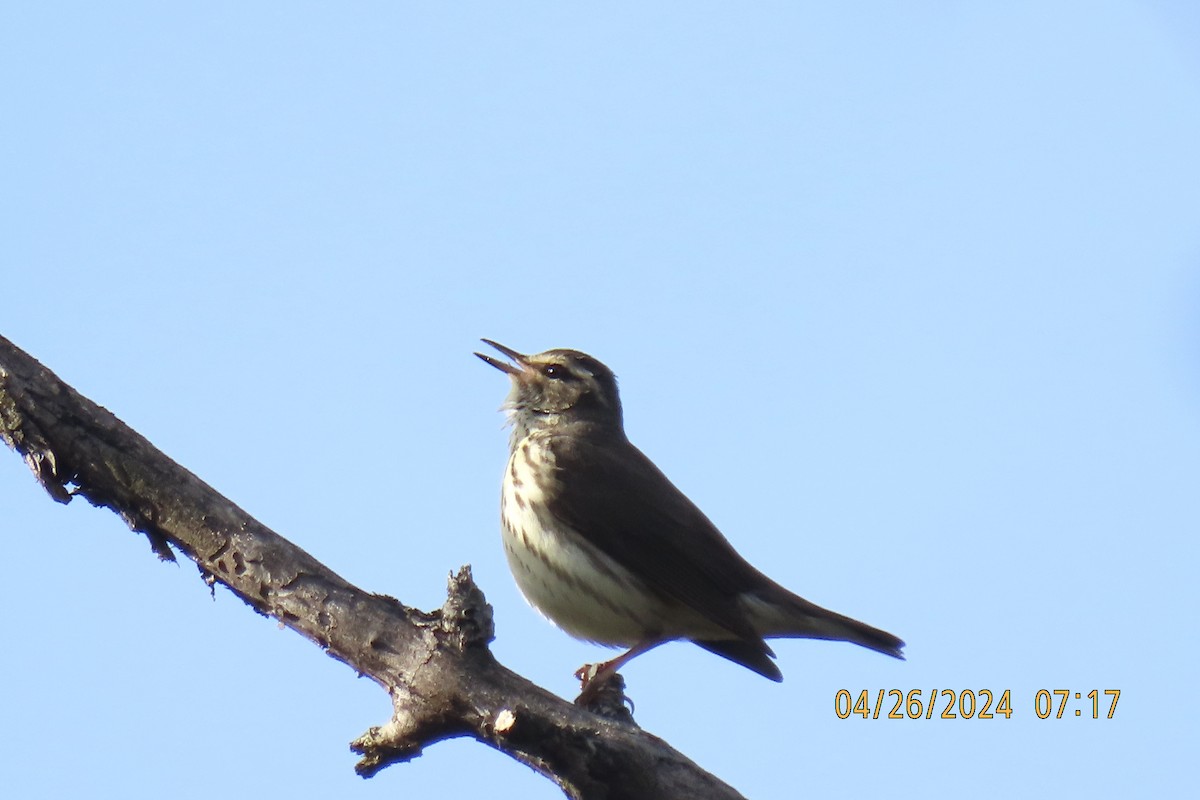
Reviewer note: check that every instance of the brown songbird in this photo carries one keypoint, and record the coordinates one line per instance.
(605, 546)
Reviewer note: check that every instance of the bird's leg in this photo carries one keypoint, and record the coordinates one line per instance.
(592, 677)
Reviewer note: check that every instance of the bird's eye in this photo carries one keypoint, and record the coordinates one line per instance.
(553, 371)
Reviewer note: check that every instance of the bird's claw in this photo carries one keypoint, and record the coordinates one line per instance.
(602, 691)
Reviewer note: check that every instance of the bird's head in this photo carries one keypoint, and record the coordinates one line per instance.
(557, 387)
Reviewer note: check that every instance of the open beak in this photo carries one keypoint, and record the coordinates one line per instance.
(520, 359)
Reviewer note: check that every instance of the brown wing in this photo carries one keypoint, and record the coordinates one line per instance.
(614, 497)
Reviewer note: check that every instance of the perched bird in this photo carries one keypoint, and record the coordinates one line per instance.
(605, 546)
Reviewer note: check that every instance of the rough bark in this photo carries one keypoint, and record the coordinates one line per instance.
(435, 666)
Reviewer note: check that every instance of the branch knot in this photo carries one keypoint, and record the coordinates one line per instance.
(466, 618)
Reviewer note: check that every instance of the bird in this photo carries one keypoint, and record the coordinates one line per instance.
(601, 542)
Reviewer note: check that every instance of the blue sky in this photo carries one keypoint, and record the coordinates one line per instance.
(904, 295)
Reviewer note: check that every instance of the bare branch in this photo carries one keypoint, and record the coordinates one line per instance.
(436, 666)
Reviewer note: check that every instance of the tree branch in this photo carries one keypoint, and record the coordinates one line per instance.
(435, 666)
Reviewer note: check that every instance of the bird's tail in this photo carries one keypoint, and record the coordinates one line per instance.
(781, 614)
